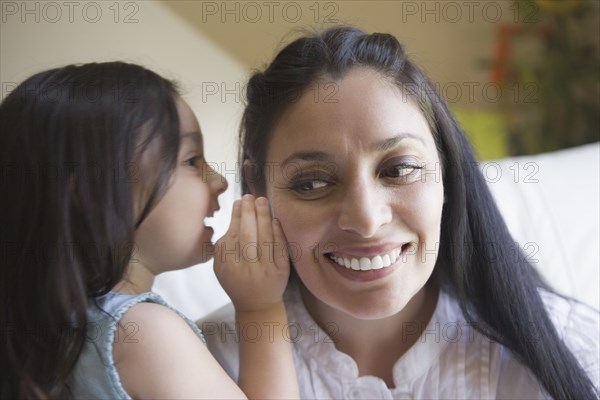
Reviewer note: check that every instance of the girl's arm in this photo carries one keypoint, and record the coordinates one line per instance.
(252, 264)
(157, 355)
(161, 357)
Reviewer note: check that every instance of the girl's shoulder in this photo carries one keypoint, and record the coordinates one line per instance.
(154, 320)
(146, 306)
(166, 359)
(118, 317)
(120, 327)
(154, 336)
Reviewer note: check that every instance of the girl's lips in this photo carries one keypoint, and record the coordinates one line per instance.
(207, 233)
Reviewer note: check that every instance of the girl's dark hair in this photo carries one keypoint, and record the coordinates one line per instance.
(75, 184)
(478, 263)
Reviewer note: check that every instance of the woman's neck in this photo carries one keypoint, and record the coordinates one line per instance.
(375, 345)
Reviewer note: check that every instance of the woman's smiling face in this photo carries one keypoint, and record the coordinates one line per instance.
(356, 184)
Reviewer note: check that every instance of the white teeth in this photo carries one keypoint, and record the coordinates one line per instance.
(386, 260)
(377, 262)
(367, 264)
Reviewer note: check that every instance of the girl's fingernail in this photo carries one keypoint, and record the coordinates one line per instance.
(261, 201)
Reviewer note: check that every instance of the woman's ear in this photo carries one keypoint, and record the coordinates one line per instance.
(250, 176)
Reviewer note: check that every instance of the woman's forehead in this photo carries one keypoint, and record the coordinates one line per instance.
(363, 110)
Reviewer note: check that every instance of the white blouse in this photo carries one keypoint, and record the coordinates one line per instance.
(451, 360)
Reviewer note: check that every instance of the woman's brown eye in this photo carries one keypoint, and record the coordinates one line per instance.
(401, 170)
(307, 186)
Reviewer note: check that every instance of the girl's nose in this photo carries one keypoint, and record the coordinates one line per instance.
(217, 183)
(364, 208)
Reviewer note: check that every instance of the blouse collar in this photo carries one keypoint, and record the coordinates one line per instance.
(445, 326)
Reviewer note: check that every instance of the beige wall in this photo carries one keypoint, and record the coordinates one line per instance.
(156, 38)
(449, 39)
(148, 34)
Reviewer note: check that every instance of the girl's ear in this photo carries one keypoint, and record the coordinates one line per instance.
(250, 177)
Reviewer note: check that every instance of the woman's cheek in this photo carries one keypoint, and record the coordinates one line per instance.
(283, 211)
(427, 216)
(300, 226)
(433, 203)
(296, 232)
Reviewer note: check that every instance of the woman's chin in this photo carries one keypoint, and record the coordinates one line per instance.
(373, 310)
(378, 304)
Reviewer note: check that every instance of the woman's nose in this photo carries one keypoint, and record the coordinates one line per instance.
(365, 208)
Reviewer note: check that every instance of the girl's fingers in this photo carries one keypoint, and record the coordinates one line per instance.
(248, 234)
(234, 225)
(280, 246)
(265, 230)
(230, 239)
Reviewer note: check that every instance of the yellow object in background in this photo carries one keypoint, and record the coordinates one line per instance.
(558, 6)
(486, 130)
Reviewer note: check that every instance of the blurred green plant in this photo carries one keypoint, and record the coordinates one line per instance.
(548, 65)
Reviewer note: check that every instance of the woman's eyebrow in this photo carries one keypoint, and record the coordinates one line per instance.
(383, 145)
(389, 143)
(307, 156)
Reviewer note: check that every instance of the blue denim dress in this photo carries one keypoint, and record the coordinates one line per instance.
(95, 375)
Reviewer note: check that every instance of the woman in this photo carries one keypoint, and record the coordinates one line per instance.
(408, 283)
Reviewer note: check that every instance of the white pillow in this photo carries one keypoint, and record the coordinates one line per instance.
(551, 205)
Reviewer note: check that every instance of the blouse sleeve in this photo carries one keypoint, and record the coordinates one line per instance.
(222, 339)
(579, 327)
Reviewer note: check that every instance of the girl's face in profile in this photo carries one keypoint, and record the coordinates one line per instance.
(174, 234)
(356, 182)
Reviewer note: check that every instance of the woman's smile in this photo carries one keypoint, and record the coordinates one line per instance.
(368, 264)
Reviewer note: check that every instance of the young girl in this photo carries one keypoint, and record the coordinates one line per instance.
(104, 186)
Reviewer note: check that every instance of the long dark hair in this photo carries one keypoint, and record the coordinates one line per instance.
(74, 143)
(479, 263)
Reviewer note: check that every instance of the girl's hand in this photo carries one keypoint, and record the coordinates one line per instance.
(251, 261)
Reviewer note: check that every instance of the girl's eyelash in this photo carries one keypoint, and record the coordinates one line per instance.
(192, 162)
